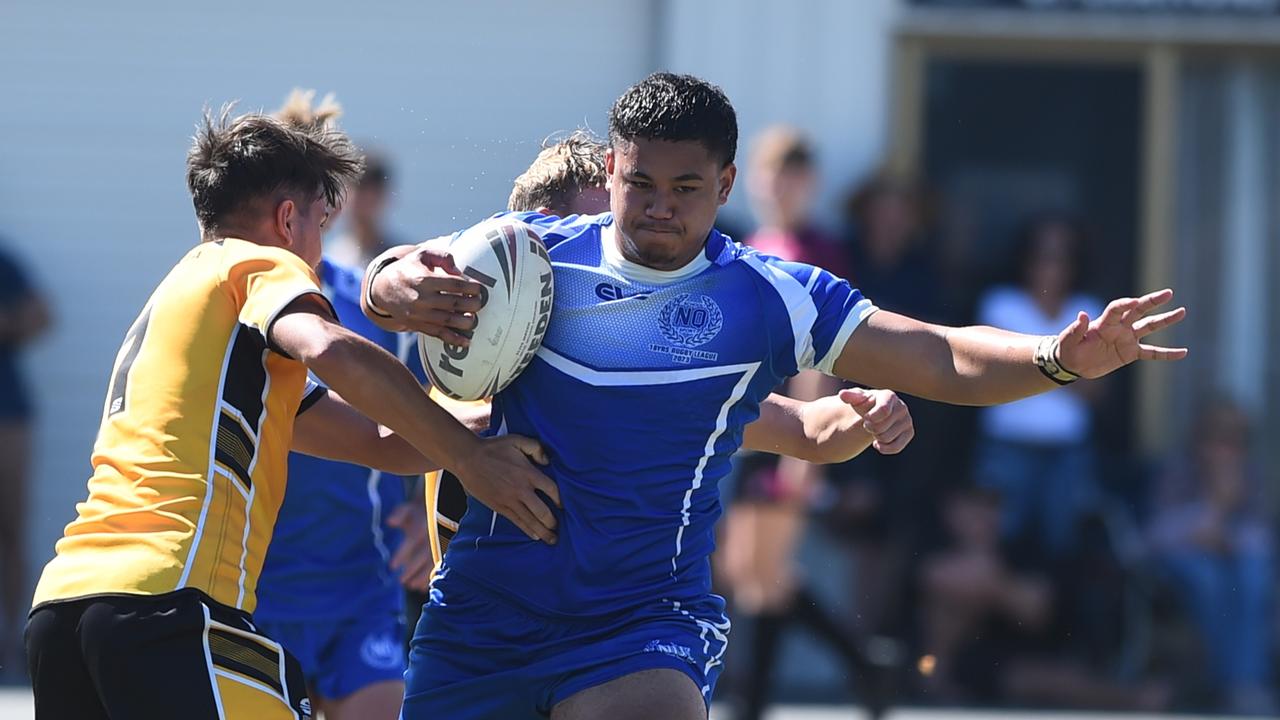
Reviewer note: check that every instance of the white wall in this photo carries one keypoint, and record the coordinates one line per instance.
(821, 65)
(98, 101)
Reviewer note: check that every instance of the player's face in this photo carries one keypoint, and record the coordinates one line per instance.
(664, 199)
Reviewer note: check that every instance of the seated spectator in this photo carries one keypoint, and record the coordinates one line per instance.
(998, 632)
(972, 599)
(1209, 535)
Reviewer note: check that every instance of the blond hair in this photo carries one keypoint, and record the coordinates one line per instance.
(562, 170)
(297, 110)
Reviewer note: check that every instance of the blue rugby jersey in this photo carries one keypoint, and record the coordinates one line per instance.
(328, 557)
(640, 392)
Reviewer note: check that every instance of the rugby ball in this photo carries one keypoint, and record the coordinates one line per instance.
(508, 258)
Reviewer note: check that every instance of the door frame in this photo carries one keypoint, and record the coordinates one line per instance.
(1158, 61)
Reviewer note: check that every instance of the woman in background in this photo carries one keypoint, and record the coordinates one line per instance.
(1039, 453)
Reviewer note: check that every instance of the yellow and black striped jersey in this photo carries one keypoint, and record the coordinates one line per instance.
(446, 500)
(190, 461)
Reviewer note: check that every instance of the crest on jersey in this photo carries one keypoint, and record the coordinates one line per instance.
(687, 321)
(690, 320)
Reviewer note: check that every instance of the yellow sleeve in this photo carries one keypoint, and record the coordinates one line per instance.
(264, 280)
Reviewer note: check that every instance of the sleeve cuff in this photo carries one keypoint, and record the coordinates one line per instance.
(314, 393)
(275, 315)
(863, 310)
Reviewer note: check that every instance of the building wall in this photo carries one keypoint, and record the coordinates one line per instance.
(100, 100)
(821, 65)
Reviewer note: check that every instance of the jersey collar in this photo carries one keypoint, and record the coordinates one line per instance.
(638, 273)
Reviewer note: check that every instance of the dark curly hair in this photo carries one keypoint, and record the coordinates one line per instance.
(666, 106)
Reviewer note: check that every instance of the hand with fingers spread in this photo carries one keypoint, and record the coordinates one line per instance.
(1094, 348)
(500, 475)
(423, 291)
(884, 416)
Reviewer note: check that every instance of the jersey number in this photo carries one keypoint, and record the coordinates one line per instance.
(128, 353)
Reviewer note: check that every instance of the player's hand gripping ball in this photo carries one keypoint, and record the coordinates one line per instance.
(508, 258)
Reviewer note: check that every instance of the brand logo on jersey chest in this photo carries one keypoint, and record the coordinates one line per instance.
(609, 291)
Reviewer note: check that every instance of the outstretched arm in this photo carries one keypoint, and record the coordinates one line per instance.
(980, 365)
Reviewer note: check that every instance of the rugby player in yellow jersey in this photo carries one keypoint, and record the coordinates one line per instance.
(568, 178)
(145, 611)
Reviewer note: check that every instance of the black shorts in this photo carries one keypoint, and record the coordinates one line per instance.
(177, 655)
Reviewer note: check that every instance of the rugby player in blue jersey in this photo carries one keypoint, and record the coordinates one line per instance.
(665, 337)
(328, 590)
(568, 178)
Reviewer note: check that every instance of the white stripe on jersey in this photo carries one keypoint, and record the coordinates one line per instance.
(798, 302)
(632, 378)
(213, 446)
(860, 312)
(722, 422)
(813, 280)
(626, 378)
(253, 490)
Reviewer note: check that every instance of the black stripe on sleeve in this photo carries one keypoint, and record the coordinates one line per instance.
(314, 395)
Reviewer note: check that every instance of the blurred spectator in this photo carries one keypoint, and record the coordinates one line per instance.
(885, 506)
(782, 185)
(970, 599)
(1209, 534)
(365, 236)
(1039, 452)
(999, 632)
(365, 211)
(891, 265)
(766, 523)
(24, 315)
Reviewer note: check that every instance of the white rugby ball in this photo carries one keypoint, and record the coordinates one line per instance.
(508, 258)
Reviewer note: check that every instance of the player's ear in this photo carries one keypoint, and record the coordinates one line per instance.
(608, 162)
(727, 176)
(285, 220)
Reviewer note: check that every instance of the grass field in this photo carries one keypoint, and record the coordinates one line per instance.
(15, 704)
